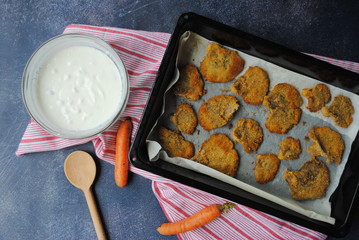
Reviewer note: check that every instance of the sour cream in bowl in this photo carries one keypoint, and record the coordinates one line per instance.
(75, 86)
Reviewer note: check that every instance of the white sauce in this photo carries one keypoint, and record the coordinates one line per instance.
(79, 88)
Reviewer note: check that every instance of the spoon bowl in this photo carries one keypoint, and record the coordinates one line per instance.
(80, 170)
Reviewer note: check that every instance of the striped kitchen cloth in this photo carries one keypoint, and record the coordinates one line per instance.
(142, 53)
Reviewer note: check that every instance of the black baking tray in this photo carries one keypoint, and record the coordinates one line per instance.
(344, 199)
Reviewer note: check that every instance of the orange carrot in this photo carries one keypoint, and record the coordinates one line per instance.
(199, 219)
(123, 139)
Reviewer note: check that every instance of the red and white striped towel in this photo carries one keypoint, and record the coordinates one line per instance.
(142, 53)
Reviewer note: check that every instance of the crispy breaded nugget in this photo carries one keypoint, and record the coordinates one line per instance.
(283, 95)
(253, 86)
(217, 111)
(185, 118)
(248, 133)
(190, 84)
(289, 149)
(310, 181)
(341, 110)
(175, 144)
(326, 143)
(266, 168)
(218, 153)
(281, 120)
(317, 97)
(220, 64)
(283, 103)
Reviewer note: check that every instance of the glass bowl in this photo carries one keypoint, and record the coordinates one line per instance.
(44, 109)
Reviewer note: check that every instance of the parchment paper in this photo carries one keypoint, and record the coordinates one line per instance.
(192, 49)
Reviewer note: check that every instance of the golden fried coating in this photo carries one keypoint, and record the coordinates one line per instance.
(283, 95)
(220, 64)
(185, 118)
(253, 86)
(248, 133)
(284, 103)
(289, 149)
(281, 120)
(217, 111)
(326, 143)
(310, 181)
(266, 168)
(218, 153)
(175, 144)
(317, 97)
(190, 84)
(341, 110)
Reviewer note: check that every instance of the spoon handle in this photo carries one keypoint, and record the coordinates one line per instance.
(95, 214)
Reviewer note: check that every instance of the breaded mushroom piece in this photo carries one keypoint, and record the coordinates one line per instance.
(341, 110)
(218, 152)
(318, 97)
(281, 120)
(266, 167)
(217, 111)
(249, 134)
(190, 84)
(310, 181)
(185, 118)
(289, 149)
(220, 64)
(253, 86)
(175, 144)
(283, 103)
(326, 143)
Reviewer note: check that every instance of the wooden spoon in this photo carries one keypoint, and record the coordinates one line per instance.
(80, 170)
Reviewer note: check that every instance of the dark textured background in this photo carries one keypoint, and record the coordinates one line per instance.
(36, 201)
